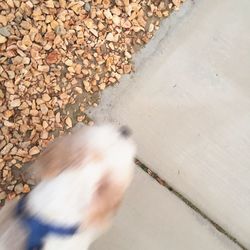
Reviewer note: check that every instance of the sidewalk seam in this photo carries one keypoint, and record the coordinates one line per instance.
(164, 183)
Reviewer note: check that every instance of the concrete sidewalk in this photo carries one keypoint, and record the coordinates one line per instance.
(188, 104)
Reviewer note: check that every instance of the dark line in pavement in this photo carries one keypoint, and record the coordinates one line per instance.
(162, 182)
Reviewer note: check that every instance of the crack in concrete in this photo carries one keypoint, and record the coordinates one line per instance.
(164, 183)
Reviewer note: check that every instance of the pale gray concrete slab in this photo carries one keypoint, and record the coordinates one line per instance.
(153, 218)
(189, 107)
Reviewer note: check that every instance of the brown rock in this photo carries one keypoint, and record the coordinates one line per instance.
(53, 57)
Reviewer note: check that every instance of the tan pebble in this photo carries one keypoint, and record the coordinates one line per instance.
(127, 54)
(127, 68)
(5, 173)
(68, 121)
(126, 2)
(28, 3)
(141, 21)
(9, 84)
(10, 3)
(26, 60)
(1, 94)
(71, 69)
(102, 86)
(94, 32)
(87, 86)
(11, 74)
(106, 3)
(9, 124)
(151, 27)
(8, 113)
(26, 25)
(18, 188)
(15, 103)
(50, 4)
(2, 164)
(80, 118)
(7, 149)
(11, 196)
(39, 101)
(13, 151)
(78, 69)
(112, 80)
(34, 54)
(45, 124)
(76, 8)
(78, 90)
(68, 62)
(176, 2)
(137, 28)
(3, 195)
(11, 187)
(58, 117)
(33, 112)
(116, 20)
(2, 39)
(17, 60)
(34, 151)
(110, 37)
(63, 3)
(116, 11)
(127, 24)
(108, 14)
(49, 36)
(58, 40)
(54, 24)
(44, 109)
(18, 165)
(2, 144)
(48, 46)
(89, 23)
(46, 97)
(100, 26)
(43, 68)
(44, 135)
(3, 20)
(26, 41)
(26, 188)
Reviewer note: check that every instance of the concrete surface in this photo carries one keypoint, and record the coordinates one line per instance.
(153, 218)
(189, 107)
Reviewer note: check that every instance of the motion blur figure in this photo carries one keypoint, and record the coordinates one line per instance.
(83, 179)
